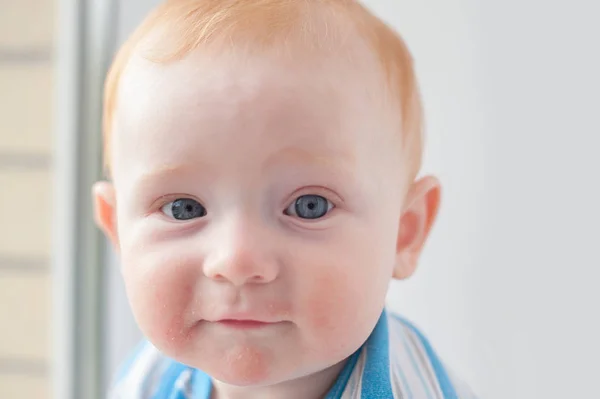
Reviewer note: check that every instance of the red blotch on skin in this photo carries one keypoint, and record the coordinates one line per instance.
(246, 365)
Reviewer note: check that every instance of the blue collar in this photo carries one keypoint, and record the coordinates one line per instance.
(376, 373)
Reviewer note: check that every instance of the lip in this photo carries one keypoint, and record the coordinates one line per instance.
(244, 324)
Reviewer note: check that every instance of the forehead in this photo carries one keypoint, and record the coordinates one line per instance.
(227, 85)
(325, 103)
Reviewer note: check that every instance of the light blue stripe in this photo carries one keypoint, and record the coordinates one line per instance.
(440, 372)
(340, 384)
(168, 380)
(405, 384)
(201, 385)
(179, 395)
(426, 386)
(376, 376)
(125, 367)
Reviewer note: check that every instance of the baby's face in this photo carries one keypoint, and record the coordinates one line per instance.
(258, 206)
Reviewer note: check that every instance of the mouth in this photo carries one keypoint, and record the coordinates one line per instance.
(244, 324)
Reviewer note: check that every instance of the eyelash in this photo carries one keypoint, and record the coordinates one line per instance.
(329, 195)
(315, 190)
(158, 204)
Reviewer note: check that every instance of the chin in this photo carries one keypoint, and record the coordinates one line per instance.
(244, 378)
(243, 367)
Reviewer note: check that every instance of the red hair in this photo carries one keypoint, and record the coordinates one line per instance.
(185, 25)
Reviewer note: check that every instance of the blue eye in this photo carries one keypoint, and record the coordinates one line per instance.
(309, 207)
(184, 209)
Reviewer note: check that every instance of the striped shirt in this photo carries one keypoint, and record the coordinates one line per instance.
(396, 362)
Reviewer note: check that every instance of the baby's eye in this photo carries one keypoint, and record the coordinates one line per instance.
(184, 209)
(309, 207)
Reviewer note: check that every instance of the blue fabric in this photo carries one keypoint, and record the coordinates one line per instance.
(340, 384)
(440, 371)
(376, 376)
(202, 385)
(167, 386)
(413, 361)
(126, 366)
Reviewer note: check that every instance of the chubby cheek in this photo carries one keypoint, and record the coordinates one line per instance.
(161, 290)
(345, 297)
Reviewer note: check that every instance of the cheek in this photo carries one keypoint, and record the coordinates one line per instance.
(339, 302)
(345, 296)
(161, 290)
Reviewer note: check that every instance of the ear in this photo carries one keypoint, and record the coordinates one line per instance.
(103, 194)
(418, 216)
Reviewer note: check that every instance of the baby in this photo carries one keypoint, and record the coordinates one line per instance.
(263, 157)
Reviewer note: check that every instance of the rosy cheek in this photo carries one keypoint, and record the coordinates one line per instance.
(344, 301)
(329, 309)
(323, 301)
(160, 293)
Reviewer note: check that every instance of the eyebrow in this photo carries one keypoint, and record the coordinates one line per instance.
(164, 171)
(334, 159)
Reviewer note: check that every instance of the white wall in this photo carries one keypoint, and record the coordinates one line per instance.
(507, 285)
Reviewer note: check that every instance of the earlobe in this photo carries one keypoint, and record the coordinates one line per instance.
(420, 210)
(103, 194)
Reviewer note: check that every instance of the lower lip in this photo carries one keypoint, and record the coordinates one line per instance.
(243, 324)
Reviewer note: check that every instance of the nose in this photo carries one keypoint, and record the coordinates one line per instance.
(241, 255)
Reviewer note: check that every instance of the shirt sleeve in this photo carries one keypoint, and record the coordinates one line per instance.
(463, 391)
(139, 375)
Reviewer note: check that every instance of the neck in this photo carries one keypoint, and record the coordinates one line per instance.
(313, 386)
